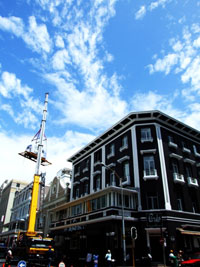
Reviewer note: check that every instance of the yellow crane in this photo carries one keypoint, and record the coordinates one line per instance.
(30, 245)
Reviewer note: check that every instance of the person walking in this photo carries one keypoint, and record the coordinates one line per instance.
(173, 259)
(95, 259)
(108, 258)
(9, 257)
(180, 257)
(50, 256)
(89, 259)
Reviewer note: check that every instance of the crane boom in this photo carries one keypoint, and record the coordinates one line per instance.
(36, 181)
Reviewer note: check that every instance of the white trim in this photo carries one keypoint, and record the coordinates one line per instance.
(192, 182)
(84, 179)
(187, 160)
(148, 151)
(187, 150)
(176, 156)
(172, 144)
(103, 180)
(178, 178)
(163, 168)
(96, 172)
(135, 164)
(123, 148)
(123, 159)
(111, 165)
(91, 173)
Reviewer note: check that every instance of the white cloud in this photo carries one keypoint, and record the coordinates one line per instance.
(153, 5)
(158, 3)
(184, 60)
(58, 150)
(165, 64)
(59, 41)
(60, 58)
(12, 24)
(140, 13)
(10, 85)
(36, 36)
(12, 88)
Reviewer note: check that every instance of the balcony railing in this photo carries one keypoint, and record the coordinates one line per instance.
(172, 144)
(178, 178)
(150, 174)
(192, 181)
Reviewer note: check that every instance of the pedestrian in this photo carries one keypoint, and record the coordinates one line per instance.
(50, 256)
(9, 257)
(108, 258)
(89, 259)
(173, 259)
(180, 257)
(95, 259)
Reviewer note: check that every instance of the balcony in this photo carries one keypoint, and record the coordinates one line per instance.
(150, 174)
(178, 178)
(192, 181)
(186, 150)
(172, 144)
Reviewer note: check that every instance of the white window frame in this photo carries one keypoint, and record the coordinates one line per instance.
(149, 167)
(126, 173)
(146, 135)
(111, 151)
(124, 143)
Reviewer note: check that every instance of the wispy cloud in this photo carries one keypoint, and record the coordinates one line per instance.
(34, 35)
(140, 13)
(184, 58)
(153, 5)
(11, 87)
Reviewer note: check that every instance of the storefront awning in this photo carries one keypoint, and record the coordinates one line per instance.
(188, 232)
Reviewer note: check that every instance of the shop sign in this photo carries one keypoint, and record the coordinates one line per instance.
(154, 219)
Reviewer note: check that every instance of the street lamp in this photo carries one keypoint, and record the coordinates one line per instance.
(123, 222)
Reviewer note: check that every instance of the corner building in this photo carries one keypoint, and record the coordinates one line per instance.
(158, 159)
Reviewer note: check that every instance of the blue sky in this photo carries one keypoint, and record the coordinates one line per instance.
(99, 60)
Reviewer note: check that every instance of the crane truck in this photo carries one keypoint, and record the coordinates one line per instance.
(30, 245)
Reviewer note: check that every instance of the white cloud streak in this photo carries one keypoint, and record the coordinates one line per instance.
(34, 35)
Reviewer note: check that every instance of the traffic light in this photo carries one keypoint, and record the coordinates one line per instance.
(134, 232)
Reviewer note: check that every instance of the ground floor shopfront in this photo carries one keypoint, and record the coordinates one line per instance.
(157, 233)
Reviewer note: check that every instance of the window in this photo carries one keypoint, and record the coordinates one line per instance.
(175, 168)
(86, 188)
(197, 154)
(112, 178)
(77, 171)
(87, 163)
(194, 207)
(97, 156)
(179, 204)
(152, 201)
(188, 171)
(171, 142)
(178, 178)
(124, 143)
(149, 166)
(98, 203)
(97, 182)
(111, 151)
(126, 173)
(76, 210)
(185, 148)
(77, 192)
(146, 135)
